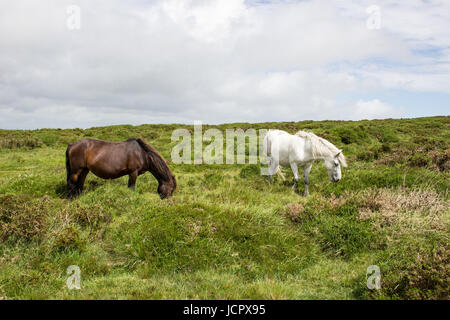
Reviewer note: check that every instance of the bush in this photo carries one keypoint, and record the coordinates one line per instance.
(349, 135)
(419, 160)
(93, 216)
(14, 141)
(441, 160)
(365, 155)
(22, 218)
(413, 272)
(49, 138)
(412, 225)
(294, 212)
(69, 238)
(399, 155)
(388, 136)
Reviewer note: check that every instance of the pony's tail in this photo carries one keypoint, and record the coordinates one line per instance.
(68, 169)
(280, 174)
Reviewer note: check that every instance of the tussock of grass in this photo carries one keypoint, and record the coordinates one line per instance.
(21, 218)
(414, 225)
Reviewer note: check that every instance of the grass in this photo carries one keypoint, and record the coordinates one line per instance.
(227, 233)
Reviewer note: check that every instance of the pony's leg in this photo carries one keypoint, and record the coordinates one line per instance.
(273, 165)
(307, 169)
(72, 184)
(294, 168)
(132, 180)
(81, 179)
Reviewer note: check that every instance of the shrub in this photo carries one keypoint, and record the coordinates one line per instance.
(93, 216)
(396, 201)
(419, 160)
(388, 136)
(398, 155)
(441, 160)
(69, 238)
(412, 224)
(293, 212)
(49, 138)
(350, 135)
(374, 153)
(365, 156)
(14, 141)
(429, 277)
(412, 272)
(22, 218)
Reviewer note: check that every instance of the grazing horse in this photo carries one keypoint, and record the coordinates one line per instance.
(111, 160)
(301, 149)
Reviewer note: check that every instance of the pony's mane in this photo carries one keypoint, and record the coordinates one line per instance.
(157, 162)
(322, 147)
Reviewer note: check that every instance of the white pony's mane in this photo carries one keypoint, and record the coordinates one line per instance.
(322, 147)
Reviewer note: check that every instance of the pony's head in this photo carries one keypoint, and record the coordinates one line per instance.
(166, 188)
(333, 166)
(159, 168)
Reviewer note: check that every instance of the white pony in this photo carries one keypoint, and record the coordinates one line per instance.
(301, 149)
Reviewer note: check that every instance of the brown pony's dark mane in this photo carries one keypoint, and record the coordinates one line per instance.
(157, 162)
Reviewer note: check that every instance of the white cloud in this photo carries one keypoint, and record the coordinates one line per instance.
(216, 61)
(374, 109)
(206, 21)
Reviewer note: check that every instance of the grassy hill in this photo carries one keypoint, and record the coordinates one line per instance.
(227, 233)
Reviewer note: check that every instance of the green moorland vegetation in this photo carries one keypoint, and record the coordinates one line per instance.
(226, 233)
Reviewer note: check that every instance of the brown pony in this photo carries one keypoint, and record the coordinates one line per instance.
(111, 160)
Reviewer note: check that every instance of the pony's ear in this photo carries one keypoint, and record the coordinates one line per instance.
(339, 156)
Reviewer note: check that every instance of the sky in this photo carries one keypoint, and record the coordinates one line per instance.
(67, 64)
